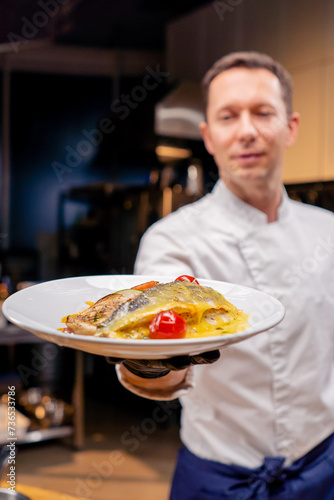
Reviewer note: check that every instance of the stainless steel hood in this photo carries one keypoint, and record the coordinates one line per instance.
(180, 113)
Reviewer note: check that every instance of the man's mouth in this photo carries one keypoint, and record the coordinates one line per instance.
(248, 157)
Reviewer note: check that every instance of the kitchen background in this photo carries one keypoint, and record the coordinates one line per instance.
(99, 138)
(91, 90)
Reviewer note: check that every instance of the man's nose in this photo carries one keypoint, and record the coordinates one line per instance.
(247, 129)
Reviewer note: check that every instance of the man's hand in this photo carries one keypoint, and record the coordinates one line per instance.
(156, 368)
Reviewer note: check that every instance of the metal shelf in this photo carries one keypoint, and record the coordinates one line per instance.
(12, 335)
(37, 436)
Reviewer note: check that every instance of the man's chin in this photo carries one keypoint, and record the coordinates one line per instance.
(246, 174)
(254, 173)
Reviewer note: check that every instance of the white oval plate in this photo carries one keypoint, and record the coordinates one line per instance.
(40, 309)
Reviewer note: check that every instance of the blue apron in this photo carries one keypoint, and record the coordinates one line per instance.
(308, 478)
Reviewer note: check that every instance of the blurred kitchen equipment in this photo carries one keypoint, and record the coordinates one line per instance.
(45, 409)
(180, 112)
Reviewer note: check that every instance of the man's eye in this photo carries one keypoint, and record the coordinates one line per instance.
(225, 118)
(265, 113)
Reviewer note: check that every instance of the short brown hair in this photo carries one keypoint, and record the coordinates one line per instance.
(251, 60)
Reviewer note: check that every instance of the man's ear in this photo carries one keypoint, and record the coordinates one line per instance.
(293, 125)
(203, 126)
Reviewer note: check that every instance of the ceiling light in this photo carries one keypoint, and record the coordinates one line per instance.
(167, 153)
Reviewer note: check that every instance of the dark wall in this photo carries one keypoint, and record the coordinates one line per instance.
(48, 114)
(54, 147)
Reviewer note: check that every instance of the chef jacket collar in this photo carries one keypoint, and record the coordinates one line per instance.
(241, 210)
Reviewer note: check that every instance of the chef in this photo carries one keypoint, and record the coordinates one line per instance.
(258, 422)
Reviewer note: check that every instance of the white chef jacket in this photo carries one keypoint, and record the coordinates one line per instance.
(273, 394)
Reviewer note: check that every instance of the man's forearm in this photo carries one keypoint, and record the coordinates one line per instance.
(171, 386)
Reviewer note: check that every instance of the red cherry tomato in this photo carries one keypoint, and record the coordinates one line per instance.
(185, 277)
(167, 325)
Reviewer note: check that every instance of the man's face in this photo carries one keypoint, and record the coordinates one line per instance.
(247, 128)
